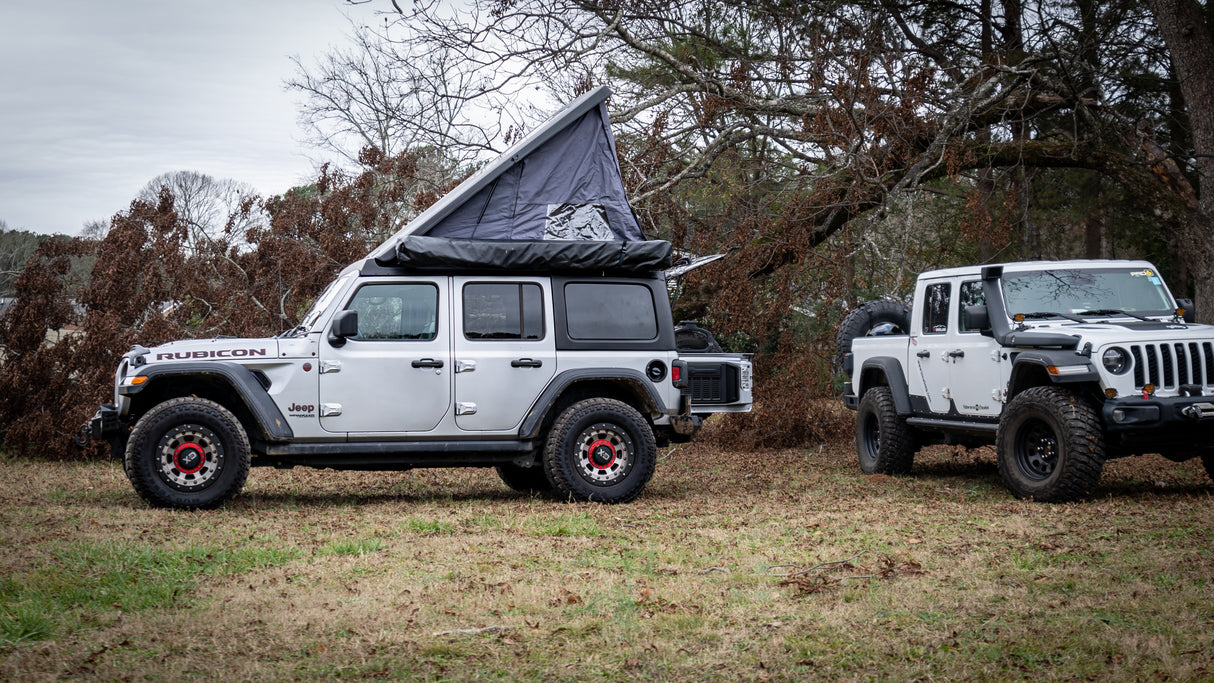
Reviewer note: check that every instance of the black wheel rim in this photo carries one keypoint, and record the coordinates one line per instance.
(1036, 450)
(604, 454)
(189, 457)
(870, 436)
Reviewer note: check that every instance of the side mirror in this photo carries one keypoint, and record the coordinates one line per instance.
(344, 325)
(1190, 311)
(976, 318)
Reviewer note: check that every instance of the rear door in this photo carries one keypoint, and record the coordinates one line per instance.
(504, 349)
(930, 344)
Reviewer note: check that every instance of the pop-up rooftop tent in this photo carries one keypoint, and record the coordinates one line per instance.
(560, 183)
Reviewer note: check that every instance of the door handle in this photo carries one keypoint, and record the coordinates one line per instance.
(427, 363)
(526, 363)
(924, 353)
(956, 354)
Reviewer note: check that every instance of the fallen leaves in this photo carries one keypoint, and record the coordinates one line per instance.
(826, 576)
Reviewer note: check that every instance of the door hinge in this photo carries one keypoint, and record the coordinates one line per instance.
(327, 366)
(330, 409)
(465, 408)
(465, 366)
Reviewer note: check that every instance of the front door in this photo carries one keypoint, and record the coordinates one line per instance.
(505, 351)
(395, 374)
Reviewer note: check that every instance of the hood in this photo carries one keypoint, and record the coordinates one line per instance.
(1124, 330)
(214, 349)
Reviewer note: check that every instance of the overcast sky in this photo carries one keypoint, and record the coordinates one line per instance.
(97, 98)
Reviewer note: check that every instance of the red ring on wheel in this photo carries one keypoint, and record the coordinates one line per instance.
(189, 445)
(594, 446)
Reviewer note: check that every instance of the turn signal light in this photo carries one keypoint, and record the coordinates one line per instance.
(138, 380)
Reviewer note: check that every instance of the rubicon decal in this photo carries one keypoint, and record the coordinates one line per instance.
(221, 353)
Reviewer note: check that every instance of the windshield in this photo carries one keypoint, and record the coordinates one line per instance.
(319, 307)
(1089, 292)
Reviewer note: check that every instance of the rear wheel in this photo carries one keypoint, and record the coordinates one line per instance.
(1050, 445)
(187, 453)
(885, 444)
(600, 449)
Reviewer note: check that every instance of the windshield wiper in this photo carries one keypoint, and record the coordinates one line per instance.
(1052, 314)
(1114, 311)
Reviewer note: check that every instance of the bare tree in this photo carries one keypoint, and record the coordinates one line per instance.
(388, 96)
(216, 210)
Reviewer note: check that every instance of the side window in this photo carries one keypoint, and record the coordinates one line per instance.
(970, 294)
(503, 310)
(396, 311)
(935, 308)
(610, 311)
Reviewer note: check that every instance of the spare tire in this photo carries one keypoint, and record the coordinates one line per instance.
(874, 318)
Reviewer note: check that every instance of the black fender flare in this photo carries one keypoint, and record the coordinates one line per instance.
(1043, 359)
(241, 379)
(895, 378)
(539, 410)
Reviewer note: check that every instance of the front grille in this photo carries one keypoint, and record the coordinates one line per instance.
(1168, 366)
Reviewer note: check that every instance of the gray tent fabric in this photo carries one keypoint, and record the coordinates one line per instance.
(561, 182)
(423, 252)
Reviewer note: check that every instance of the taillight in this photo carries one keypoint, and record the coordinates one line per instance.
(678, 374)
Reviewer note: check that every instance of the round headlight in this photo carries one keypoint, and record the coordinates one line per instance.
(1116, 360)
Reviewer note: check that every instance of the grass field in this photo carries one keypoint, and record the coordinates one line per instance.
(732, 566)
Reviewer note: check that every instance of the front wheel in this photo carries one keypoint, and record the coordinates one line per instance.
(600, 449)
(1050, 445)
(885, 444)
(187, 453)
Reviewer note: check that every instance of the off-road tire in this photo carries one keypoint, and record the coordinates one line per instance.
(187, 453)
(885, 444)
(525, 479)
(862, 320)
(1050, 445)
(601, 450)
(1207, 460)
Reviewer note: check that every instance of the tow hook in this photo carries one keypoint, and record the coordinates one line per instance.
(1198, 411)
(83, 435)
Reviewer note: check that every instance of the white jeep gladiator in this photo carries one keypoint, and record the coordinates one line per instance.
(1061, 365)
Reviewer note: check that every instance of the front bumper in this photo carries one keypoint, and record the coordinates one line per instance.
(105, 425)
(1158, 423)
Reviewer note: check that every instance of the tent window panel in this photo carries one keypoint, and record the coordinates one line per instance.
(604, 311)
(578, 222)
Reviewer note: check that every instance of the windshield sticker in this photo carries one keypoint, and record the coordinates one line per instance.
(1155, 281)
(1142, 273)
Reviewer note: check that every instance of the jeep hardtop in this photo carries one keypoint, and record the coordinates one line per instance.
(1061, 365)
(557, 362)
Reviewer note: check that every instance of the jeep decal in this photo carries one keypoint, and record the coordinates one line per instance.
(221, 353)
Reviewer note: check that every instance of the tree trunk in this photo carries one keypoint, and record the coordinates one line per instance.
(1183, 26)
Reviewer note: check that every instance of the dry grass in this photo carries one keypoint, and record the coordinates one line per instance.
(753, 566)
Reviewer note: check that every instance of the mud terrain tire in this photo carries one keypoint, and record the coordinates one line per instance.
(1050, 446)
(525, 479)
(885, 444)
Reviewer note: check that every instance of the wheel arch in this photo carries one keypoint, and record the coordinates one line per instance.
(571, 386)
(1030, 369)
(887, 372)
(231, 385)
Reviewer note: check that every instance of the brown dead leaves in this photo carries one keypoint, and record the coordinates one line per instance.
(829, 576)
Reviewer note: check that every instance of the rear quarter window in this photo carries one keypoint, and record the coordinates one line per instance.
(610, 311)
